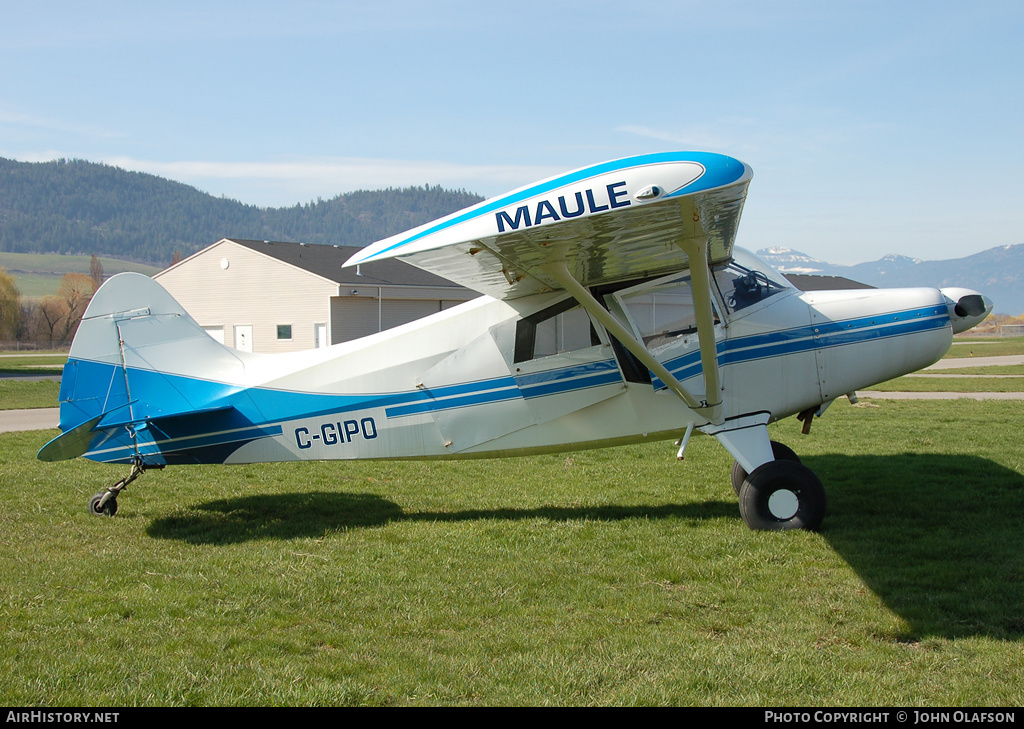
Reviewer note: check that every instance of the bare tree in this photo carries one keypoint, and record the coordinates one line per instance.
(58, 315)
(48, 315)
(10, 307)
(96, 272)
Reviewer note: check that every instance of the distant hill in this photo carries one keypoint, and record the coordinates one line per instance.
(74, 207)
(998, 272)
(85, 208)
(37, 275)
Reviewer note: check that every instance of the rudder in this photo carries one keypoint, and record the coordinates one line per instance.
(138, 357)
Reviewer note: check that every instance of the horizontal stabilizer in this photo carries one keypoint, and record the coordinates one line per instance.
(70, 444)
(155, 420)
(147, 438)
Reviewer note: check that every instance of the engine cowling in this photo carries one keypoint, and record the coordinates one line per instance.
(967, 308)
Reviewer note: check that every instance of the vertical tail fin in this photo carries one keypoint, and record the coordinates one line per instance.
(137, 357)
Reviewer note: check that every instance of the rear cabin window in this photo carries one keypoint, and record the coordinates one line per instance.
(564, 327)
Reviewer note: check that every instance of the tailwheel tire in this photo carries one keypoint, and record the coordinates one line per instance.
(108, 509)
(781, 451)
(782, 495)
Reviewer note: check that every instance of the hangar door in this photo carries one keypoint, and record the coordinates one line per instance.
(353, 317)
(403, 311)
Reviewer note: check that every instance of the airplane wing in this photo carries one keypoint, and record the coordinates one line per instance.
(612, 221)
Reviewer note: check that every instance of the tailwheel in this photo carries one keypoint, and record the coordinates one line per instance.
(781, 451)
(105, 502)
(782, 494)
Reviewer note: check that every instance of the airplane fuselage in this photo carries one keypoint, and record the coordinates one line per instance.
(463, 383)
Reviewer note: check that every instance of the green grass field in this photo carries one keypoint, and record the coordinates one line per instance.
(985, 347)
(16, 393)
(1016, 370)
(38, 275)
(606, 577)
(976, 350)
(966, 384)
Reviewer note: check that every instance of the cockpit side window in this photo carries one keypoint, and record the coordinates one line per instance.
(662, 314)
(564, 327)
(742, 287)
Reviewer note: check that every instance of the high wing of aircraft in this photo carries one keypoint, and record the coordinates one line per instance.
(617, 309)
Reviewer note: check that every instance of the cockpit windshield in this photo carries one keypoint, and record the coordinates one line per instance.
(747, 280)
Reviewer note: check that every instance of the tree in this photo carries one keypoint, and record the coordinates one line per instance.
(95, 272)
(59, 315)
(47, 317)
(10, 307)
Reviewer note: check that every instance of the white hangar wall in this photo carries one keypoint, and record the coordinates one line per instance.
(249, 299)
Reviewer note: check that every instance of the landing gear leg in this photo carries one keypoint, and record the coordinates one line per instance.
(775, 490)
(781, 451)
(105, 502)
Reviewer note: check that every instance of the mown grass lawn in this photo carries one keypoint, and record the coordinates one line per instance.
(16, 394)
(985, 347)
(950, 384)
(978, 350)
(606, 577)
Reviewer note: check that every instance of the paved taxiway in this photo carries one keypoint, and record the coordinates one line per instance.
(45, 418)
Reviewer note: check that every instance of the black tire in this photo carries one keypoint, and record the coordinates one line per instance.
(782, 495)
(781, 451)
(109, 508)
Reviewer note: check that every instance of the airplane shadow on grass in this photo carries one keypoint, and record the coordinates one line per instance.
(937, 537)
(313, 514)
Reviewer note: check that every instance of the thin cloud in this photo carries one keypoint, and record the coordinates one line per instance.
(21, 121)
(694, 138)
(288, 181)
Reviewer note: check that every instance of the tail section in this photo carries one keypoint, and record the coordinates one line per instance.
(141, 373)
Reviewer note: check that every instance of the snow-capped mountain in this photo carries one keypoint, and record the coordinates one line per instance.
(998, 272)
(787, 260)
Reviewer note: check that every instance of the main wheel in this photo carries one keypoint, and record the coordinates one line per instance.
(782, 495)
(781, 451)
(108, 509)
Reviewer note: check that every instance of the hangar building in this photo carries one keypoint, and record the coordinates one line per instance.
(267, 296)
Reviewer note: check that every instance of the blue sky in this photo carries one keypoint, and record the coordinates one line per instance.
(872, 127)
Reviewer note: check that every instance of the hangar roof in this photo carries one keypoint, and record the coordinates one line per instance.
(326, 261)
(813, 282)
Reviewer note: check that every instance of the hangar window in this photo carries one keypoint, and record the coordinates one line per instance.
(564, 327)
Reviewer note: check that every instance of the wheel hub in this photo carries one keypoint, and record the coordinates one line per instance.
(783, 504)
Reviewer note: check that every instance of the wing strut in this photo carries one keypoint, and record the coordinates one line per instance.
(700, 278)
(558, 271)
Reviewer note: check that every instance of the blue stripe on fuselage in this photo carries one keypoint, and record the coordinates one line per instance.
(169, 399)
(816, 336)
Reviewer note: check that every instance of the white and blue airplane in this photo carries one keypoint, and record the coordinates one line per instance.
(616, 309)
